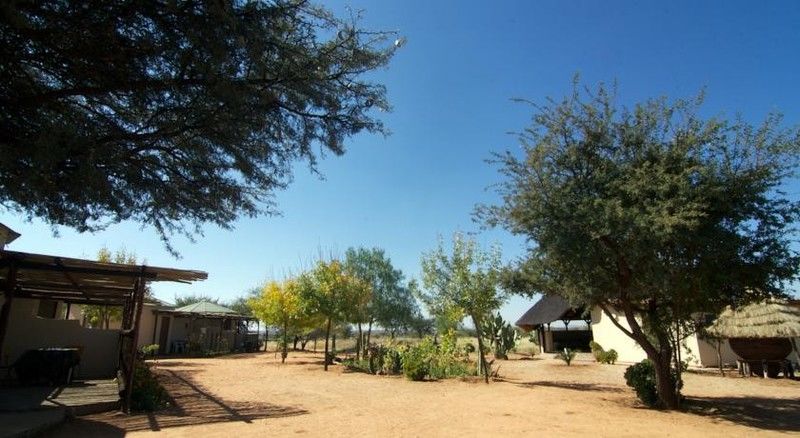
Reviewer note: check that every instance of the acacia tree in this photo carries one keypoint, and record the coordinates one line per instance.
(653, 213)
(175, 114)
(280, 305)
(392, 305)
(332, 292)
(463, 282)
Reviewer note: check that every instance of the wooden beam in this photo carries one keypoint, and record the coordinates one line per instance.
(5, 312)
(37, 266)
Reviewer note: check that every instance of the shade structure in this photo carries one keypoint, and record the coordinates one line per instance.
(205, 308)
(80, 281)
(766, 319)
(548, 309)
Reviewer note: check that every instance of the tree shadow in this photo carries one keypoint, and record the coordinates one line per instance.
(574, 386)
(190, 404)
(759, 412)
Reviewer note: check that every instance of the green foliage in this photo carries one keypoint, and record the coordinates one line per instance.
(392, 305)
(566, 355)
(417, 359)
(501, 335)
(642, 378)
(462, 282)
(652, 211)
(602, 356)
(147, 393)
(609, 357)
(176, 115)
(149, 350)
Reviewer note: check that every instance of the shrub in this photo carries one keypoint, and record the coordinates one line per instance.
(149, 350)
(609, 356)
(566, 355)
(416, 360)
(597, 350)
(147, 393)
(361, 366)
(642, 378)
(392, 361)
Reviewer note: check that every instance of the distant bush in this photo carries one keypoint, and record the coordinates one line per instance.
(601, 355)
(642, 378)
(149, 350)
(596, 350)
(609, 357)
(147, 393)
(566, 355)
(443, 361)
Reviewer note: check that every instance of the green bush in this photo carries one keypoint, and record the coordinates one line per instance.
(597, 350)
(361, 366)
(147, 393)
(609, 356)
(642, 378)
(566, 355)
(417, 359)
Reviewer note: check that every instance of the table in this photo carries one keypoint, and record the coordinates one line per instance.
(47, 365)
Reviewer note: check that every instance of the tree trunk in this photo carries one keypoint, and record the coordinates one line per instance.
(661, 357)
(327, 335)
(719, 357)
(295, 341)
(266, 337)
(359, 341)
(333, 344)
(369, 334)
(285, 346)
(664, 384)
(482, 368)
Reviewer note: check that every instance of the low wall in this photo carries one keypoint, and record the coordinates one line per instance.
(27, 331)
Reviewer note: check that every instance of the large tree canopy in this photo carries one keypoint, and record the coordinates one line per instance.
(653, 212)
(174, 114)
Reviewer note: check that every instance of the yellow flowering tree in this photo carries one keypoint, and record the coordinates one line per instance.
(280, 305)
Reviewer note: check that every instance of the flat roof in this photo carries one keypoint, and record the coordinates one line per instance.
(81, 281)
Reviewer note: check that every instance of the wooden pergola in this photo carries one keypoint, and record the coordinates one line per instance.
(79, 281)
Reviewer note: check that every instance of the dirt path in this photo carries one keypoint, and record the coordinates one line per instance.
(254, 395)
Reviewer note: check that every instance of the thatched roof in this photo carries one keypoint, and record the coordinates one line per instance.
(548, 309)
(767, 319)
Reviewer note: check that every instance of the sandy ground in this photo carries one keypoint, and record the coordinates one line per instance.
(254, 395)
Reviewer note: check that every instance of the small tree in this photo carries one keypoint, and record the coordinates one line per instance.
(464, 281)
(279, 305)
(330, 291)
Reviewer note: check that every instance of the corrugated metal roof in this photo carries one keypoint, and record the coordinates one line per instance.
(205, 307)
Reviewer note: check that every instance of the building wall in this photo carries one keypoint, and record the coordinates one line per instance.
(27, 331)
(699, 352)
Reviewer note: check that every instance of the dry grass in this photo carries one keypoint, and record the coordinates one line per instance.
(254, 395)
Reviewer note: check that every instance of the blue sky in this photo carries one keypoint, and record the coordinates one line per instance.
(451, 87)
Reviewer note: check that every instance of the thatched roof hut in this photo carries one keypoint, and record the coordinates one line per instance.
(767, 319)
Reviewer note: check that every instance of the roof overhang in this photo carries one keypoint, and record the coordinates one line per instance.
(80, 281)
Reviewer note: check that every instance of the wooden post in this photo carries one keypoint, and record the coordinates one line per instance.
(5, 312)
(133, 334)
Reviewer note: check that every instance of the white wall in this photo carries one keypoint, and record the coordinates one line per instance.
(27, 331)
(699, 352)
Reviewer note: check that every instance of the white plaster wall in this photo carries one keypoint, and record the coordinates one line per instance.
(27, 331)
(610, 337)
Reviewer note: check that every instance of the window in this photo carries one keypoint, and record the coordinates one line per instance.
(47, 309)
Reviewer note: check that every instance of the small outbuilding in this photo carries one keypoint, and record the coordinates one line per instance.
(552, 338)
(764, 335)
(203, 328)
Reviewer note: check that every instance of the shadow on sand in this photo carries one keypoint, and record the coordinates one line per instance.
(575, 386)
(190, 404)
(759, 412)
